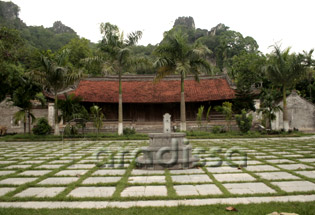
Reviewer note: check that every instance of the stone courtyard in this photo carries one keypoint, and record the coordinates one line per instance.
(91, 174)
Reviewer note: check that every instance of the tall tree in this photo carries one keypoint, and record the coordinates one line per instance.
(117, 58)
(284, 70)
(10, 70)
(177, 56)
(21, 98)
(55, 75)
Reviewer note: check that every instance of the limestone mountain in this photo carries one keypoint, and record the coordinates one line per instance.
(60, 28)
(187, 22)
(52, 38)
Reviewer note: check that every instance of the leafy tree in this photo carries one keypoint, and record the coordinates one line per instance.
(208, 114)
(10, 47)
(269, 106)
(55, 75)
(117, 58)
(78, 49)
(244, 121)
(22, 97)
(227, 111)
(177, 56)
(71, 108)
(42, 127)
(284, 70)
(199, 115)
(247, 73)
(97, 116)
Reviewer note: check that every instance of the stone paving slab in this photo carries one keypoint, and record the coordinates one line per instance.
(294, 166)
(49, 166)
(96, 180)
(92, 192)
(35, 172)
(202, 189)
(152, 203)
(17, 181)
(137, 191)
(6, 172)
(276, 161)
(146, 179)
(276, 175)
(234, 177)
(59, 180)
(310, 174)
(248, 188)
(223, 169)
(18, 167)
(147, 172)
(187, 171)
(5, 190)
(191, 178)
(110, 172)
(261, 168)
(82, 166)
(71, 172)
(292, 186)
(41, 192)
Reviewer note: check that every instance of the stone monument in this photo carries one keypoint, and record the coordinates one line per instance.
(167, 150)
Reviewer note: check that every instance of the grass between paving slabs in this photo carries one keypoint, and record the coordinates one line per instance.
(250, 209)
(20, 188)
(278, 145)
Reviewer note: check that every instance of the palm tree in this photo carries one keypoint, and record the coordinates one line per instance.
(22, 96)
(177, 56)
(55, 76)
(284, 70)
(268, 105)
(117, 58)
(98, 117)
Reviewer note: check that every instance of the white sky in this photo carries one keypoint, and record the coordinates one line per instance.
(267, 21)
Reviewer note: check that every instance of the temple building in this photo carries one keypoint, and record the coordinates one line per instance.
(146, 101)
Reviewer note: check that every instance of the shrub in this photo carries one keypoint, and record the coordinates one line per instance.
(42, 127)
(217, 129)
(129, 131)
(244, 122)
(70, 130)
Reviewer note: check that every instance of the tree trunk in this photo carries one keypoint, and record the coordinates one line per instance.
(120, 108)
(285, 111)
(29, 121)
(182, 106)
(24, 122)
(56, 116)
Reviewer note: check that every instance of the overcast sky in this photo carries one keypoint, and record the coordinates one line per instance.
(268, 21)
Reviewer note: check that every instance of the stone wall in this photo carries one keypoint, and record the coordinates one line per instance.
(301, 114)
(7, 111)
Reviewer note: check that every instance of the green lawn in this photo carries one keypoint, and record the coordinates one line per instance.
(251, 209)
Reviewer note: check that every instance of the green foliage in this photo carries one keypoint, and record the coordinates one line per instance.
(42, 127)
(269, 106)
(177, 56)
(227, 111)
(244, 121)
(199, 115)
(71, 108)
(78, 50)
(129, 131)
(70, 130)
(97, 116)
(208, 114)
(217, 129)
(10, 49)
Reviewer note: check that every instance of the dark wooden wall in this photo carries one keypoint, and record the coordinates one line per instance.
(147, 112)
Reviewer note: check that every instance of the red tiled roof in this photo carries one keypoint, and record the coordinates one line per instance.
(145, 91)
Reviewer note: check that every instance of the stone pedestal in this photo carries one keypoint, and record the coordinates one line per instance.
(167, 151)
